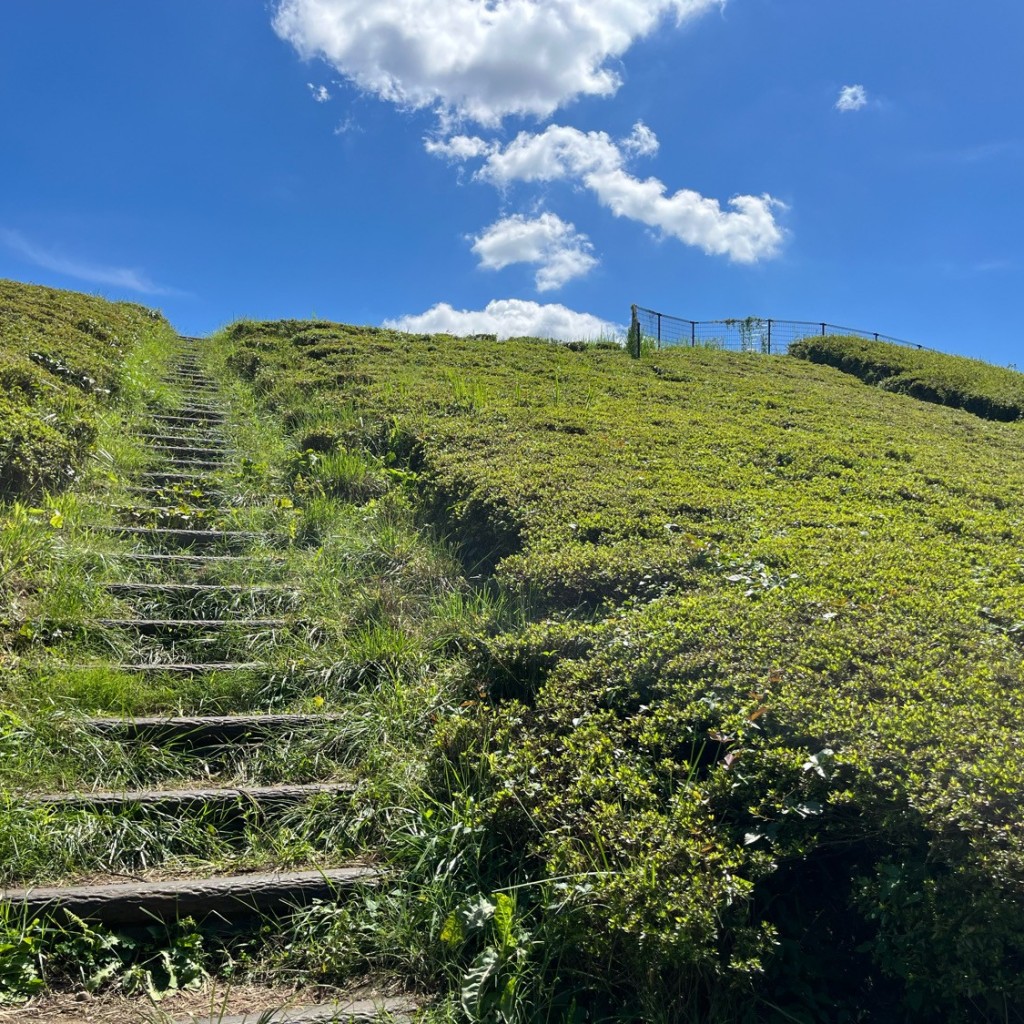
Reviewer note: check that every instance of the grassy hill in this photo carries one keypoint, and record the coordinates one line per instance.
(748, 717)
(63, 356)
(989, 391)
(681, 689)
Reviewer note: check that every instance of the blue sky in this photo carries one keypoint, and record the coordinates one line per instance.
(523, 165)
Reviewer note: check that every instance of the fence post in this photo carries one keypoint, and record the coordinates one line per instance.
(823, 330)
(693, 334)
(769, 337)
(633, 338)
(659, 330)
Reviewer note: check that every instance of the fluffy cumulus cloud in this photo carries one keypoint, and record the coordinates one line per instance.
(510, 318)
(480, 59)
(320, 93)
(747, 232)
(559, 251)
(852, 97)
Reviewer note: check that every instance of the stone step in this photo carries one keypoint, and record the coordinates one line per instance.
(181, 800)
(228, 897)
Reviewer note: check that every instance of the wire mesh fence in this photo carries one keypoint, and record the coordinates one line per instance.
(751, 334)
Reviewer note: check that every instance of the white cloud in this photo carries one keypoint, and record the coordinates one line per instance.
(460, 147)
(560, 251)
(852, 97)
(95, 273)
(641, 141)
(480, 59)
(509, 318)
(746, 233)
(319, 92)
(348, 126)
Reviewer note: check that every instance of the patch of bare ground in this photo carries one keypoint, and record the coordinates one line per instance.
(214, 1002)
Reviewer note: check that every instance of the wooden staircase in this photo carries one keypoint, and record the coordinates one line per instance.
(189, 446)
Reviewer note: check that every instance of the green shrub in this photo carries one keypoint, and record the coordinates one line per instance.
(61, 357)
(752, 741)
(989, 391)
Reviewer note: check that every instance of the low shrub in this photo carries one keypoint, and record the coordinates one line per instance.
(991, 392)
(747, 750)
(61, 357)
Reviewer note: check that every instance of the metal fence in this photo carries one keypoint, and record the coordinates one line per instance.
(751, 334)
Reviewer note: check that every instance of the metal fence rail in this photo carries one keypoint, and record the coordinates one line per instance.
(751, 334)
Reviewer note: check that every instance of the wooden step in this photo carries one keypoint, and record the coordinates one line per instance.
(174, 463)
(173, 800)
(189, 456)
(209, 412)
(187, 437)
(188, 412)
(206, 417)
(175, 440)
(197, 668)
(394, 1009)
(171, 417)
(154, 626)
(207, 448)
(176, 508)
(206, 730)
(188, 498)
(149, 556)
(200, 588)
(162, 462)
(170, 476)
(231, 896)
(183, 535)
(180, 447)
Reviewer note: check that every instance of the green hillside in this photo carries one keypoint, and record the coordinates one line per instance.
(680, 689)
(754, 708)
(990, 391)
(63, 356)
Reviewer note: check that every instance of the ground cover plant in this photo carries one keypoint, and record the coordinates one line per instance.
(61, 359)
(675, 689)
(994, 392)
(738, 737)
(361, 601)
